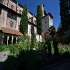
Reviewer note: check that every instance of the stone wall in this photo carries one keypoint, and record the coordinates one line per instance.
(4, 55)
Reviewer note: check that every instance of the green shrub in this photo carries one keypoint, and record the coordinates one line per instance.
(24, 41)
(4, 48)
(1, 48)
(63, 49)
(14, 49)
(11, 63)
(30, 60)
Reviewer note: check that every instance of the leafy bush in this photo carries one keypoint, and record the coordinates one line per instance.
(25, 41)
(4, 48)
(11, 63)
(63, 49)
(1, 48)
(14, 49)
(30, 60)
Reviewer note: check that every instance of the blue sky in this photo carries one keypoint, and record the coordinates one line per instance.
(51, 6)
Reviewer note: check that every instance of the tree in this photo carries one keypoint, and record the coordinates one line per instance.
(52, 31)
(64, 13)
(39, 20)
(24, 21)
(60, 31)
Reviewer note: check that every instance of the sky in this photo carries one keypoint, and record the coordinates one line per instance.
(51, 6)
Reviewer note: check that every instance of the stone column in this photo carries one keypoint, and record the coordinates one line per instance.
(12, 39)
(16, 39)
(2, 39)
(7, 39)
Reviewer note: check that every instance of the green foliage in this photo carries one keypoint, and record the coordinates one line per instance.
(29, 60)
(39, 20)
(1, 48)
(24, 21)
(63, 49)
(11, 63)
(25, 42)
(64, 13)
(26, 60)
(52, 31)
(1, 34)
(52, 49)
(60, 31)
(14, 49)
(41, 46)
(4, 48)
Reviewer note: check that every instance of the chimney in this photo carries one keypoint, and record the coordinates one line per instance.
(42, 7)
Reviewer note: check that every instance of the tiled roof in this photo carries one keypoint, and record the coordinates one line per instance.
(11, 31)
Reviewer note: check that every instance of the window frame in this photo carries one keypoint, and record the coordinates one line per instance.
(11, 24)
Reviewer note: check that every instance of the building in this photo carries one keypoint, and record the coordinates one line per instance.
(10, 16)
(47, 21)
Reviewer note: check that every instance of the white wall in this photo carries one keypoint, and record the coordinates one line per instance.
(39, 38)
(46, 23)
(50, 21)
(29, 30)
(18, 22)
(35, 30)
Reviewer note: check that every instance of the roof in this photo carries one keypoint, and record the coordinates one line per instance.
(11, 31)
(49, 15)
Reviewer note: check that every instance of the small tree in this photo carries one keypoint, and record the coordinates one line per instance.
(52, 31)
(39, 20)
(24, 21)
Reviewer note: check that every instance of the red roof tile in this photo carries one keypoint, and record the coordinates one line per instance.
(11, 31)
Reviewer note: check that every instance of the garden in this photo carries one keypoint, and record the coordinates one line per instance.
(25, 57)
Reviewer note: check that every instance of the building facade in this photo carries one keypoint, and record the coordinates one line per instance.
(10, 17)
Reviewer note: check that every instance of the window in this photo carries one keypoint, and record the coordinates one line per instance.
(11, 24)
(12, 16)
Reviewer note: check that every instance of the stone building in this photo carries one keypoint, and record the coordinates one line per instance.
(10, 16)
